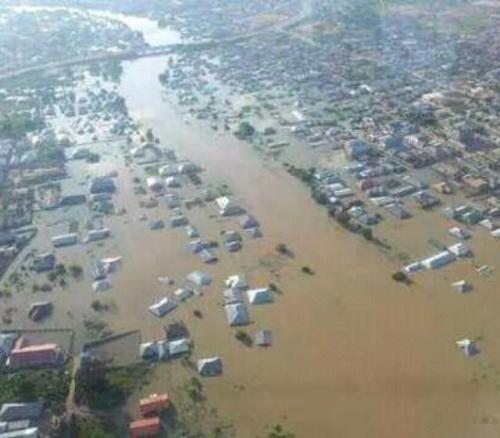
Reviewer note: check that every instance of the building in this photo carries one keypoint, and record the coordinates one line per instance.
(162, 307)
(65, 240)
(43, 262)
(102, 185)
(236, 314)
(154, 404)
(10, 412)
(460, 250)
(149, 427)
(439, 260)
(25, 355)
(31, 432)
(227, 207)
(210, 367)
(260, 296)
(96, 235)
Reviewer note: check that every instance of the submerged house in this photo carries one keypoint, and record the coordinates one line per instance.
(439, 260)
(260, 296)
(199, 278)
(162, 307)
(65, 240)
(210, 367)
(236, 282)
(228, 207)
(43, 262)
(232, 296)
(103, 184)
(98, 234)
(236, 314)
(468, 346)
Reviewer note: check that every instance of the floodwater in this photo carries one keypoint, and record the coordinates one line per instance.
(355, 354)
(153, 35)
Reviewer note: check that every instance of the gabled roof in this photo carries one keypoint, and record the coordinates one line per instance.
(236, 314)
(260, 296)
(21, 411)
(199, 278)
(236, 282)
(210, 367)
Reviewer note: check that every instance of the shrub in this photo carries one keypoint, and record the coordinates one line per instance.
(243, 337)
(401, 277)
(307, 270)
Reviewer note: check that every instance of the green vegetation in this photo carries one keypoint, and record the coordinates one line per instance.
(282, 249)
(278, 431)
(80, 427)
(245, 131)
(243, 337)
(401, 277)
(34, 384)
(307, 270)
(17, 125)
(194, 390)
(104, 388)
(76, 271)
(367, 233)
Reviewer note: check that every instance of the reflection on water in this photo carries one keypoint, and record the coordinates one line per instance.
(153, 35)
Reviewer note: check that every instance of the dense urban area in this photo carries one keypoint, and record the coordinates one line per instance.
(245, 218)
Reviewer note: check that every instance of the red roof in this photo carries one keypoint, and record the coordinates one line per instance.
(154, 403)
(45, 354)
(149, 427)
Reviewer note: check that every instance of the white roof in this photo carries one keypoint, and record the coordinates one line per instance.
(260, 296)
(236, 314)
(31, 432)
(154, 182)
(101, 285)
(232, 296)
(199, 278)
(111, 264)
(459, 249)
(468, 346)
(438, 260)
(210, 366)
(183, 293)
(179, 346)
(236, 282)
(163, 306)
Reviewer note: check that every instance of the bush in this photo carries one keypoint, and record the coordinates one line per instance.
(401, 277)
(307, 270)
(244, 337)
(76, 271)
(282, 249)
(245, 131)
(367, 233)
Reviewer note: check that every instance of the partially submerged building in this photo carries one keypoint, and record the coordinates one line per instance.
(236, 314)
(210, 367)
(164, 306)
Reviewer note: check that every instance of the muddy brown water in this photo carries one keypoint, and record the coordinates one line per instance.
(355, 354)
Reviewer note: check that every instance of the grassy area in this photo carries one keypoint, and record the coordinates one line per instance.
(104, 388)
(32, 385)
